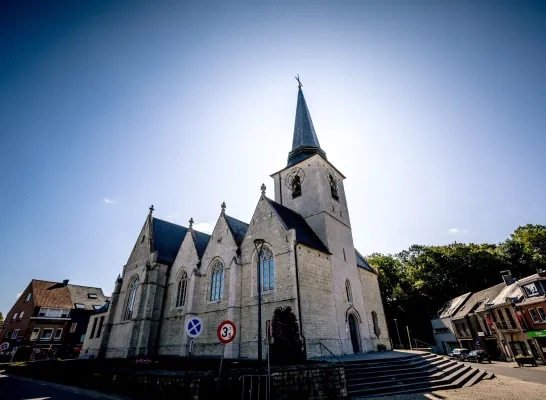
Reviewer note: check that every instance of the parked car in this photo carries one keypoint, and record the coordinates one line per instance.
(476, 355)
(458, 353)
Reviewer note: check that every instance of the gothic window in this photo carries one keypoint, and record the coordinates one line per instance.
(217, 281)
(376, 328)
(180, 289)
(333, 186)
(131, 296)
(348, 290)
(267, 269)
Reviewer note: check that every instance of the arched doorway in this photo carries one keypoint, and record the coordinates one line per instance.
(353, 330)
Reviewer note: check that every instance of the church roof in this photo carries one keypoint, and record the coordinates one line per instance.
(201, 241)
(167, 240)
(362, 263)
(305, 141)
(293, 220)
(238, 228)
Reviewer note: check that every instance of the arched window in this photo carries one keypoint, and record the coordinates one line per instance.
(180, 289)
(217, 281)
(348, 290)
(131, 296)
(376, 328)
(267, 269)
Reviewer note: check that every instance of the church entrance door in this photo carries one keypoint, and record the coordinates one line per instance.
(353, 330)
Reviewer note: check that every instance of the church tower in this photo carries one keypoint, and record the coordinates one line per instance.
(312, 186)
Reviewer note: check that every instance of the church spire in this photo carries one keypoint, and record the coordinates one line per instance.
(305, 142)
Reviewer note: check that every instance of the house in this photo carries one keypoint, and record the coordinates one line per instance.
(533, 312)
(442, 327)
(468, 326)
(93, 335)
(51, 317)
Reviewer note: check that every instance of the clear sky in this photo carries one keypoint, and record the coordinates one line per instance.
(434, 111)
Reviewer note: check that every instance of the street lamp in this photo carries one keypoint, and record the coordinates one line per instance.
(397, 331)
(259, 243)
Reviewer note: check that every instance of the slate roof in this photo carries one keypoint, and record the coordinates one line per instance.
(451, 306)
(305, 141)
(79, 294)
(201, 241)
(512, 291)
(167, 240)
(50, 294)
(362, 263)
(238, 228)
(472, 304)
(293, 220)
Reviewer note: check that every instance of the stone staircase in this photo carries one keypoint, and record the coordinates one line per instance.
(408, 374)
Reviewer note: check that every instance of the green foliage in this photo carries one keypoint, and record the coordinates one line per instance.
(287, 347)
(1, 319)
(381, 347)
(416, 282)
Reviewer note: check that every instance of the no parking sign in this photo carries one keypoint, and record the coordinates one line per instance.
(194, 327)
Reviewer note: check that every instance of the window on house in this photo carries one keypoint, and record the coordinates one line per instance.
(15, 334)
(27, 298)
(92, 335)
(101, 323)
(53, 312)
(541, 314)
(348, 291)
(21, 316)
(92, 295)
(131, 296)
(267, 269)
(14, 317)
(217, 281)
(46, 334)
(533, 314)
(73, 327)
(58, 334)
(8, 334)
(79, 306)
(96, 307)
(181, 288)
(34, 334)
(531, 289)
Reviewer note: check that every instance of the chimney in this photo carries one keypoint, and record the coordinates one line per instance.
(507, 277)
(65, 283)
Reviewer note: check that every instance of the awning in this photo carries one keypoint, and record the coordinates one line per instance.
(537, 334)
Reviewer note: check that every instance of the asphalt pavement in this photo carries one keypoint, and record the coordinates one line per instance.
(17, 388)
(511, 370)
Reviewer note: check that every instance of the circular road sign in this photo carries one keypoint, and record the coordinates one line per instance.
(226, 331)
(194, 327)
(4, 346)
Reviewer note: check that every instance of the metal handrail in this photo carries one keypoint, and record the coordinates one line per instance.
(336, 357)
(420, 341)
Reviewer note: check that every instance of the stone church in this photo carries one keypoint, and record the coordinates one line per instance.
(307, 261)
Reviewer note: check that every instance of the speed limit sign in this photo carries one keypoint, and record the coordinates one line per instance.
(226, 332)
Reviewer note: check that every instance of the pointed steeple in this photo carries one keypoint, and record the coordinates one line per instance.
(305, 142)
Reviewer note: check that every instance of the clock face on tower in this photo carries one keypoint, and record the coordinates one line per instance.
(294, 178)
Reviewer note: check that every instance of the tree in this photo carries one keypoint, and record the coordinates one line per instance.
(287, 347)
(1, 319)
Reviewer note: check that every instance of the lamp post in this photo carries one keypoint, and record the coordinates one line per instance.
(259, 243)
(397, 331)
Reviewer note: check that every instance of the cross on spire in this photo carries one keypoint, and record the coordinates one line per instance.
(151, 209)
(298, 79)
(223, 205)
(262, 188)
(191, 222)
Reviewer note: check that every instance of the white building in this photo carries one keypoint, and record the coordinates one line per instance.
(308, 262)
(442, 327)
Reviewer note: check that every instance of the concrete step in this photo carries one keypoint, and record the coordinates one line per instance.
(475, 379)
(390, 375)
(423, 364)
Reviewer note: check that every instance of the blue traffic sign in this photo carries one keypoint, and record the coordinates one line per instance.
(194, 327)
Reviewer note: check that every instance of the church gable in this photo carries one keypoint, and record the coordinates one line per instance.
(221, 242)
(142, 248)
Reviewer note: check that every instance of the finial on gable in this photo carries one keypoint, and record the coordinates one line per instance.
(191, 222)
(262, 188)
(151, 209)
(223, 208)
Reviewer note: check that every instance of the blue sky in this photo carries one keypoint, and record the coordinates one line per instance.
(434, 111)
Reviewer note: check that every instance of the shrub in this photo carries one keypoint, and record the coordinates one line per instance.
(381, 347)
(287, 347)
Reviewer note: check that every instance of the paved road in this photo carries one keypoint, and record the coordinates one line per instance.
(529, 374)
(16, 388)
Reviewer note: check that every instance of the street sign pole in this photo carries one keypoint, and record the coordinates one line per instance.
(220, 370)
(226, 333)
